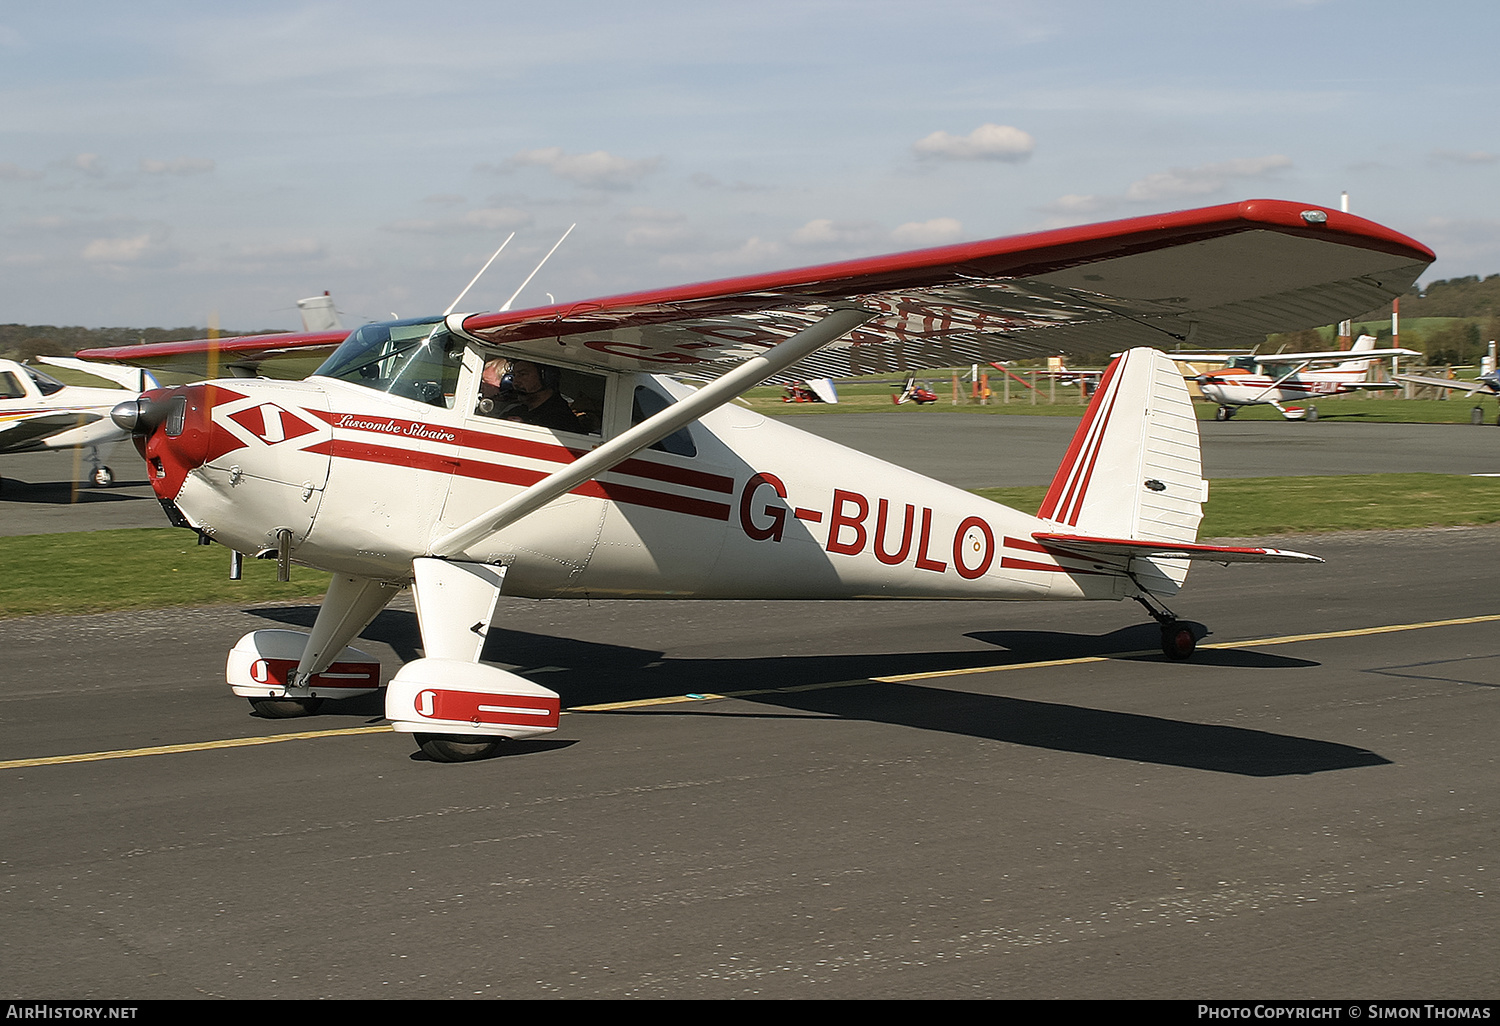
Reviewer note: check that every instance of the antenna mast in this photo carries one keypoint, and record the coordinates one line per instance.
(476, 277)
(532, 275)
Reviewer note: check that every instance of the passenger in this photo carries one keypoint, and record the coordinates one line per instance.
(526, 392)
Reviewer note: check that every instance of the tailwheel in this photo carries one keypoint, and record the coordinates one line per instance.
(1177, 640)
(458, 747)
(285, 708)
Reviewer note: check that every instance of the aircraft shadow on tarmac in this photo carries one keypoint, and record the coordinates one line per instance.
(589, 673)
(1443, 671)
(62, 493)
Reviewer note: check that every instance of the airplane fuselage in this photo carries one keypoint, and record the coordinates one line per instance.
(39, 413)
(365, 482)
(1245, 388)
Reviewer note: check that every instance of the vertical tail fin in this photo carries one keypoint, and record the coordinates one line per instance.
(1361, 344)
(1133, 470)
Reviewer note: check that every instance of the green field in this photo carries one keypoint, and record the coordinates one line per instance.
(156, 568)
(1248, 507)
(1362, 408)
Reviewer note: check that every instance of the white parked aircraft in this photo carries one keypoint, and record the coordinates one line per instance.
(1278, 378)
(38, 413)
(543, 453)
(1487, 383)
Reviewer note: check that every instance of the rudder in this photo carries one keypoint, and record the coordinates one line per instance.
(1134, 468)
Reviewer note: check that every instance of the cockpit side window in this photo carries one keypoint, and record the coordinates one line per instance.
(559, 398)
(415, 359)
(10, 386)
(45, 382)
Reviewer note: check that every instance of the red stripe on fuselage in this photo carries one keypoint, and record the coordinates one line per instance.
(531, 448)
(501, 473)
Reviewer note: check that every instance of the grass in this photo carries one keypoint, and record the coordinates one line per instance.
(158, 568)
(148, 568)
(1361, 408)
(1247, 507)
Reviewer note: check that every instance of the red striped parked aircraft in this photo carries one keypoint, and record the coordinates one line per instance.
(1277, 378)
(551, 453)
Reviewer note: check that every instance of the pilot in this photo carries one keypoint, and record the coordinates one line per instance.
(526, 392)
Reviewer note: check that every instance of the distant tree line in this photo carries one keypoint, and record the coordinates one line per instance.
(1451, 321)
(23, 341)
(1473, 296)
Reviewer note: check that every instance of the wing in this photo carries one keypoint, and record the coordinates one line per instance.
(136, 379)
(1216, 276)
(290, 356)
(1209, 277)
(1453, 384)
(1336, 356)
(24, 430)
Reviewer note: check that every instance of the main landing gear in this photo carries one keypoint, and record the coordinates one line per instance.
(100, 476)
(285, 708)
(1178, 641)
(1224, 413)
(458, 747)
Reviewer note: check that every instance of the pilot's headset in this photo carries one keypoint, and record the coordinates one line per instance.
(550, 378)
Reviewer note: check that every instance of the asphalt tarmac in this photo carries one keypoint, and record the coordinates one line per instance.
(794, 800)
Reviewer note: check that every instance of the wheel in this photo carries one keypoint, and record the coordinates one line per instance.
(1222, 413)
(102, 477)
(1312, 414)
(285, 708)
(1177, 641)
(458, 747)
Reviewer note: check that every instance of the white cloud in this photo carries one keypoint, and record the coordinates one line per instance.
(16, 173)
(655, 228)
(823, 231)
(936, 232)
(118, 251)
(1471, 157)
(178, 166)
(486, 219)
(1075, 204)
(85, 163)
(1203, 179)
(285, 250)
(753, 254)
(987, 142)
(597, 170)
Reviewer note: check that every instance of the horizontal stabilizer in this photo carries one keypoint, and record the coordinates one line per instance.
(1083, 545)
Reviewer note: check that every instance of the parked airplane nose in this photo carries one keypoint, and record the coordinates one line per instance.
(141, 416)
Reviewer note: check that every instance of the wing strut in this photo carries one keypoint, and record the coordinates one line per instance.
(737, 382)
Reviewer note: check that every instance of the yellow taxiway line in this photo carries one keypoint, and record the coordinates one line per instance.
(901, 678)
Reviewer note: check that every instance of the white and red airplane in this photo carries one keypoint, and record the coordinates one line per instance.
(405, 461)
(38, 413)
(1278, 378)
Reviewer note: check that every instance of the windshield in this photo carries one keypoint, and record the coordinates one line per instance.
(417, 359)
(44, 381)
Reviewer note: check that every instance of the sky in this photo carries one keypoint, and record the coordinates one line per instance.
(170, 163)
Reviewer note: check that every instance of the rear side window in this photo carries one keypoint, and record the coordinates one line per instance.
(647, 403)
